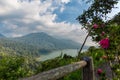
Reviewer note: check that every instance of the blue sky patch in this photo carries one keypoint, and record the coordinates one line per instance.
(72, 10)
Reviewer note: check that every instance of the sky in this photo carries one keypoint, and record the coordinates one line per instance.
(54, 17)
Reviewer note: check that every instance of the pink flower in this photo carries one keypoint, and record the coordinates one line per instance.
(99, 71)
(104, 43)
(103, 33)
(95, 26)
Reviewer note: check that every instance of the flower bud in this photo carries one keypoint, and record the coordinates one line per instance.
(103, 33)
(95, 26)
(99, 71)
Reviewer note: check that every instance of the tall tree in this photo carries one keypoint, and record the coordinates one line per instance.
(95, 14)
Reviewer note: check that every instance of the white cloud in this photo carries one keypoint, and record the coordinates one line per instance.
(62, 8)
(7, 6)
(36, 16)
(65, 1)
(115, 10)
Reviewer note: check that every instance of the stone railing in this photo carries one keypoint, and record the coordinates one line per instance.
(87, 71)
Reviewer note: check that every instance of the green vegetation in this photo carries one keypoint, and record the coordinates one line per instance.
(45, 41)
(105, 32)
(35, 44)
(14, 66)
(18, 48)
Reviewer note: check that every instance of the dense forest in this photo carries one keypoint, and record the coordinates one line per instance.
(35, 44)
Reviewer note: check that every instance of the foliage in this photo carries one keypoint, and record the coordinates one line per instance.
(105, 33)
(115, 19)
(18, 48)
(25, 66)
(14, 67)
(97, 10)
(45, 41)
(56, 62)
(61, 61)
(35, 44)
(73, 76)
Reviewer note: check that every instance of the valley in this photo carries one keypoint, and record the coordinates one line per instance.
(36, 44)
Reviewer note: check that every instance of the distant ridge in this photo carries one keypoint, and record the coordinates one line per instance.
(36, 44)
(44, 40)
(2, 36)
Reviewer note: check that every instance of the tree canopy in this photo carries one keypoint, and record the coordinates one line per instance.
(97, 10)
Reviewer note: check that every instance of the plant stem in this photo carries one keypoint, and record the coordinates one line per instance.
(83, 43)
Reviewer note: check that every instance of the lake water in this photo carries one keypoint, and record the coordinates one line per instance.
(71, 52)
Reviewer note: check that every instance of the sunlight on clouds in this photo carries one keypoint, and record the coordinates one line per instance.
(65, 1)
(7, 6)
(62, 9)
(37, 16)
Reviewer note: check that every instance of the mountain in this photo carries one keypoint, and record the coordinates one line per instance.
(2, 36)
(18, 48)
(45, 41)
(36, 43)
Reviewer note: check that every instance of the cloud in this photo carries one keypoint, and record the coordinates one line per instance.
(8, 6)
(21, 17)
(69, 12)
(115, 10)
(65, 1)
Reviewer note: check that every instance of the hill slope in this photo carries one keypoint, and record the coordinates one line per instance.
(18, 48)
(43, 40)
(36, 44)
(2, 36)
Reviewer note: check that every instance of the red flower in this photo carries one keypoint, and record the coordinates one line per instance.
(99, 71)
(104, 43)
(95, 26)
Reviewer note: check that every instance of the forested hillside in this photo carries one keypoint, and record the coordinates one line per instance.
(35, 44)
(46, 41)
(2, 36)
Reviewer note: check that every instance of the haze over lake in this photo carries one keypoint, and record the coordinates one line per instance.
(71, 52)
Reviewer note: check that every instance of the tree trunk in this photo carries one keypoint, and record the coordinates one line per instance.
(83, 43)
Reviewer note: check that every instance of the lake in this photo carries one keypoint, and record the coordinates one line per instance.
(71, 52)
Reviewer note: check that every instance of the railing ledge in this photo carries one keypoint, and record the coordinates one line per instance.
(59, 72)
